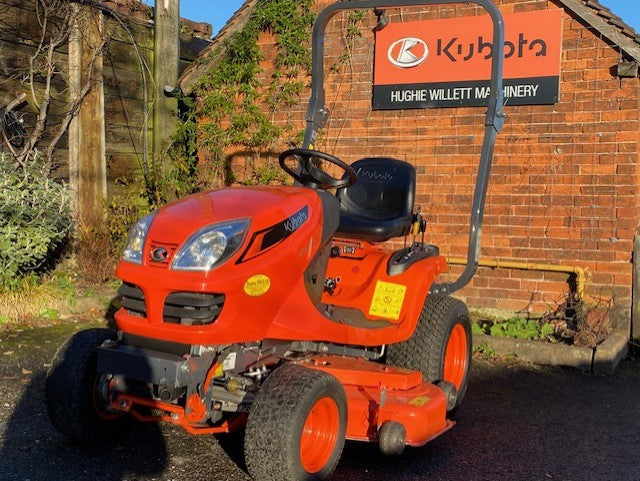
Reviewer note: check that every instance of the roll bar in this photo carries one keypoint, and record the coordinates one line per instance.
(317, 112)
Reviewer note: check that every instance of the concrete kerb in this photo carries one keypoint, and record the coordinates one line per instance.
(602, 360)
(609, 354)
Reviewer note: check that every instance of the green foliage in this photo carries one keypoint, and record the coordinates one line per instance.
(49, 313)
(123, 211)
(64, 285)
(546, 331)
(35, 218)
(229, 111)
(516, 327)
(181, 178)
(232, 96)
(476, 329)
(234, 107)
(484, 350)
(352, 31)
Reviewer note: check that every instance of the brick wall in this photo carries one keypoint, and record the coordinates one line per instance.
(564, 186)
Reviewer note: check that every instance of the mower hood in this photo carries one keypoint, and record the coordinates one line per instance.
(262, 206)
(273, 214)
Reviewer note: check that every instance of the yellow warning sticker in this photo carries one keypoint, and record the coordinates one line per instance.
(257, 285)
(387, 300)
(419, 401)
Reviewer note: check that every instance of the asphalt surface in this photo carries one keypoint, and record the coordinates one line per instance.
(518, 422)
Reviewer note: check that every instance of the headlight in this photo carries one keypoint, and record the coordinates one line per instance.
(211, 246)
(135, 242)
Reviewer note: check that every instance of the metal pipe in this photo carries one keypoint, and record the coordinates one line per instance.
(317, 112)
(581, 273)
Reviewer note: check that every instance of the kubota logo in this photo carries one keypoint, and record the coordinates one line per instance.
(159, 254)
(408, 52)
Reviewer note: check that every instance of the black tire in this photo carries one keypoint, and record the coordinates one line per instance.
(70, 391)
(425, 350)
(277, 419)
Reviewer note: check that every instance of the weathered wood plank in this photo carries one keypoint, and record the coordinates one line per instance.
(123, 56)
(118, 115)
(125, 84)
(21, 25)
(14, 63)
(124, 135)
(92, 178)
(123, 165)
(166, 66)
(142, 33)
(9, 88)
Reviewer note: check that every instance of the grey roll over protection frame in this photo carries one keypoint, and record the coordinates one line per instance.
(317, 112)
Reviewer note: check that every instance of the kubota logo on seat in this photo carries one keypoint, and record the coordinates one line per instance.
(408, 52)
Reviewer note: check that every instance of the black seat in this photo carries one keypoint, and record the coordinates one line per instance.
(379, 206)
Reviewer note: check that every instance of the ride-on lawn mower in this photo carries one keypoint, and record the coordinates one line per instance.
(276, 308)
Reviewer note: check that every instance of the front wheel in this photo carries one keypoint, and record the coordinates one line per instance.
(440, 346)
(296, 427)
(74, 405)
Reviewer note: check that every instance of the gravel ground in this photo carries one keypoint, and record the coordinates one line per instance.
(518, 422)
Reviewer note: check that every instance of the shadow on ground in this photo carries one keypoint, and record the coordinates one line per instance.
(517, 423)
(33, 450)
(525, 423)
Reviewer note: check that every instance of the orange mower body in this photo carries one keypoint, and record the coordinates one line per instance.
(279, 310)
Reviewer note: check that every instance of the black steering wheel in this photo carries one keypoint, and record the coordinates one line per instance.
(310, 175)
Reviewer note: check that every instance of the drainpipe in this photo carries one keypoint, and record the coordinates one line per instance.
(582, 274)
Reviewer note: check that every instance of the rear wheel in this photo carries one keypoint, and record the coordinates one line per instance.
(296, 427)
(74, 404)
(440, 346)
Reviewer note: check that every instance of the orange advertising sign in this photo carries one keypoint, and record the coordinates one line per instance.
(447, 63)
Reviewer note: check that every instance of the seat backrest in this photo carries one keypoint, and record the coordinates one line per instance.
(385, 189)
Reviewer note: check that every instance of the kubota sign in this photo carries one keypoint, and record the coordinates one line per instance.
(447, 63)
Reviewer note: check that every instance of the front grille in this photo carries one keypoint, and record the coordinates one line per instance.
(132, 299)
(170, 248)
(186, 308)
(192, 309)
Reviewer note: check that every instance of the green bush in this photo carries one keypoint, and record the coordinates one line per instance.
(123, 211)
(517, 328)
(35, 218)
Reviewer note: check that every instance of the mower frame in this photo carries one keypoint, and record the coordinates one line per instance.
(300, 366)
(318, 113)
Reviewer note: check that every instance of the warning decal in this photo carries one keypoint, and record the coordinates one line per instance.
(387, 300)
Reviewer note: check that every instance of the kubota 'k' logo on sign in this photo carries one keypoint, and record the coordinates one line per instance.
(408, 52)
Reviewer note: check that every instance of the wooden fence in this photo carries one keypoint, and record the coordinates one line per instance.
(121, 87)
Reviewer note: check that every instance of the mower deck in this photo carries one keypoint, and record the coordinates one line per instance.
(377, 393)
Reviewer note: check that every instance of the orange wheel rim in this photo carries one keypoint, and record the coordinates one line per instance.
(455, 357)
(319, 435)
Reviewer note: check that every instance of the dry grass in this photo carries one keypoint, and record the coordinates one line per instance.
(95, 259)
(32, 301)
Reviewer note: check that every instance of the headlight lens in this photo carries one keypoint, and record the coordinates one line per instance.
(211, 246)
(135, 242)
